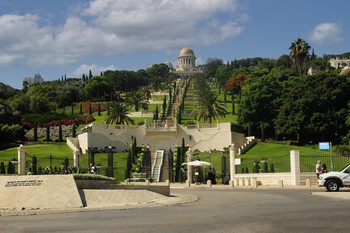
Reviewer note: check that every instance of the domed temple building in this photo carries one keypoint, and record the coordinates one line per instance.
(187, 63)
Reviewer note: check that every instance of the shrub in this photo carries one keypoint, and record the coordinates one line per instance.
(246, 170)
(2, 168)
(342, 150)
(272, 168)
(10, 168)
(91, 177)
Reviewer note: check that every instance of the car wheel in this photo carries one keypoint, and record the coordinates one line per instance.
(332, 185)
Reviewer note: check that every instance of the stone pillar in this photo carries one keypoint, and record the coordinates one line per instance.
(21, 160)
(232, 164)
(76, 158)
(189, 168)
(295, 167)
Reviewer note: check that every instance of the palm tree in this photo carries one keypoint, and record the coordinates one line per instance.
(119, 115)
(299, 50)
(146, 91)
(208, 106)
(137, 100)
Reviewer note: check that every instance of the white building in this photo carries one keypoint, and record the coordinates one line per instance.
(187, 63)
(32, 81)
(339, 63)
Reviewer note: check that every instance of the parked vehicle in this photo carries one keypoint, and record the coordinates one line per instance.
(335, 180)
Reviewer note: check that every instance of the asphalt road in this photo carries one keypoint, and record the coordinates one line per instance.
(216, 211)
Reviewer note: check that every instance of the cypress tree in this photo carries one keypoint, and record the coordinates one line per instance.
(225, 97)
(47, 132)
(266, 169)
(99, 110)
(179, 117)
(60, 139)
(72, 109)
(108, 110)
(233, 108)
(2, 168)
(90, 74)
(157, 113)
(81, 109)
(272, 168)
(64, 109)
(128, 166)
(10, 168)
(35, 132)
(90, 111)
(246, 170)
(73, 131)
(242, 170)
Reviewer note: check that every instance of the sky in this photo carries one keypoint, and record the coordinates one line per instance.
(70, 37)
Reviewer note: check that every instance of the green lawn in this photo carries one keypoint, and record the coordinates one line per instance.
(59, 151)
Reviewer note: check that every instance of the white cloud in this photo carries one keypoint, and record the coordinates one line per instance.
(326, 33)
(95, 70)
(109, 27)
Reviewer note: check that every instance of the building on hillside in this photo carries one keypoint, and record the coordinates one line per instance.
(313, 70)
(339, 63)
(187, 63)
(32, 81)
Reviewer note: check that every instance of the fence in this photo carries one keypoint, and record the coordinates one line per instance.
(280, 163)
(308, 161)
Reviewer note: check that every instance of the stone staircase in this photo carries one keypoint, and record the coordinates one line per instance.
(158, 162)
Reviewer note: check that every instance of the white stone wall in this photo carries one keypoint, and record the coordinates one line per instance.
(203, 139)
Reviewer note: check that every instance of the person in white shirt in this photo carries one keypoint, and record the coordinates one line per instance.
(318, 168)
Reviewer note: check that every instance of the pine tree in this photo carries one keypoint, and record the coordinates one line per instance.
(2, 168)
(35, 132)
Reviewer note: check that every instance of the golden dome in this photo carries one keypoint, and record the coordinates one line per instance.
(186, 51)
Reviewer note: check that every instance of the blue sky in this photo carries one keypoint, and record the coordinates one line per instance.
(71, 37)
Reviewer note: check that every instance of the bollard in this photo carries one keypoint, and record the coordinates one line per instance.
(187, 184)
(254, 183)
(247, 181)
(209, 183)
(146, 182)
(308, 183)
(280, 183)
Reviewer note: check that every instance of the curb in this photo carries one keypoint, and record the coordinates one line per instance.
(175, 199)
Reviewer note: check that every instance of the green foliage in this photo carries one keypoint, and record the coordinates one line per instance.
(299, 50)
(246, 170)
(35, 132)
(342, 150)
(272, 168)
(11, 133)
